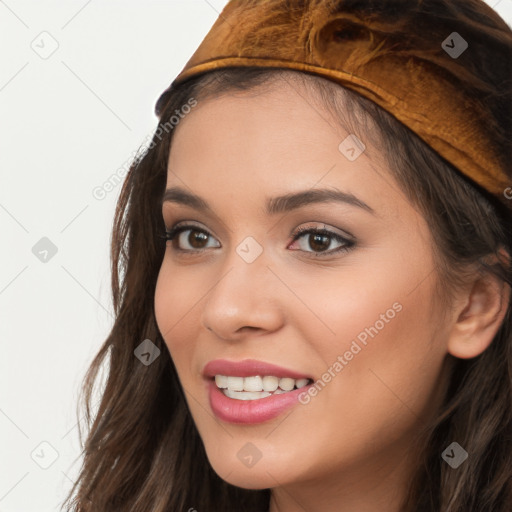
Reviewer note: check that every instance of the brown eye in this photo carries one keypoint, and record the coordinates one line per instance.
(195, 240)
(318, 241)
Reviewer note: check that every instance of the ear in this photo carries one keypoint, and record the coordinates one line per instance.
(482, 309)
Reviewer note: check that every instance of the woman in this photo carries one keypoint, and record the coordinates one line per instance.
(311, 271)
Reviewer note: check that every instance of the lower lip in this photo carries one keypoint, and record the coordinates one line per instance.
(250, 411)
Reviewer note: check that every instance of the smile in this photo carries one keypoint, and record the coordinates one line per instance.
(251, 391)
(257, 387)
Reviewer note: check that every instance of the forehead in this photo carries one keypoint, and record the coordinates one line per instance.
(259, 129)
(268, 141)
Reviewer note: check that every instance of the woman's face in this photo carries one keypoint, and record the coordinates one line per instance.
(354, 314)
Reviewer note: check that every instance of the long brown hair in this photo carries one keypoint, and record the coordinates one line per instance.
(143, 453)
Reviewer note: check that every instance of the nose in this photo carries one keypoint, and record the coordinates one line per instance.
(246, 299)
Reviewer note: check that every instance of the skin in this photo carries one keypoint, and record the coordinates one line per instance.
(351, 447)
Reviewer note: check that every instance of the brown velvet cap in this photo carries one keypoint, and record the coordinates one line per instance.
(441, 67)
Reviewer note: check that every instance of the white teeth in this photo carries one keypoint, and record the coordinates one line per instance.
(221, 381)
(300, 383)
(236, 383)
(246, 395)
(253, 383)
(286, 384)
(270, 383)
(256, 387)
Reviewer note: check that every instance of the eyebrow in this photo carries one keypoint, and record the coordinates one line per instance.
(274, 205)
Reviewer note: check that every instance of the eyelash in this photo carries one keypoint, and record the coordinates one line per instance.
(170, 235)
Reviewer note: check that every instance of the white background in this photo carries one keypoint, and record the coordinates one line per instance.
(68, 122)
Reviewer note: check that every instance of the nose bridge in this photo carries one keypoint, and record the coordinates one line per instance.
(245, 265)
(242, 296)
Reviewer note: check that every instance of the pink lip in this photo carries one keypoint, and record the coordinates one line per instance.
(249, 411)
(248, 368)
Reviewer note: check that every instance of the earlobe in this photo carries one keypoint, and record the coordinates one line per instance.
(480, 318)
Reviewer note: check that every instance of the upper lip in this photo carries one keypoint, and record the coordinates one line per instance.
(249, 368)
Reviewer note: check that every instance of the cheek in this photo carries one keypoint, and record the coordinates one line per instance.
(377, 354)
(176, 296)
(390, 367)
(375, 303)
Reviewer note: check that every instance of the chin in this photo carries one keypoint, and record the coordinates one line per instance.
(261, 475)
